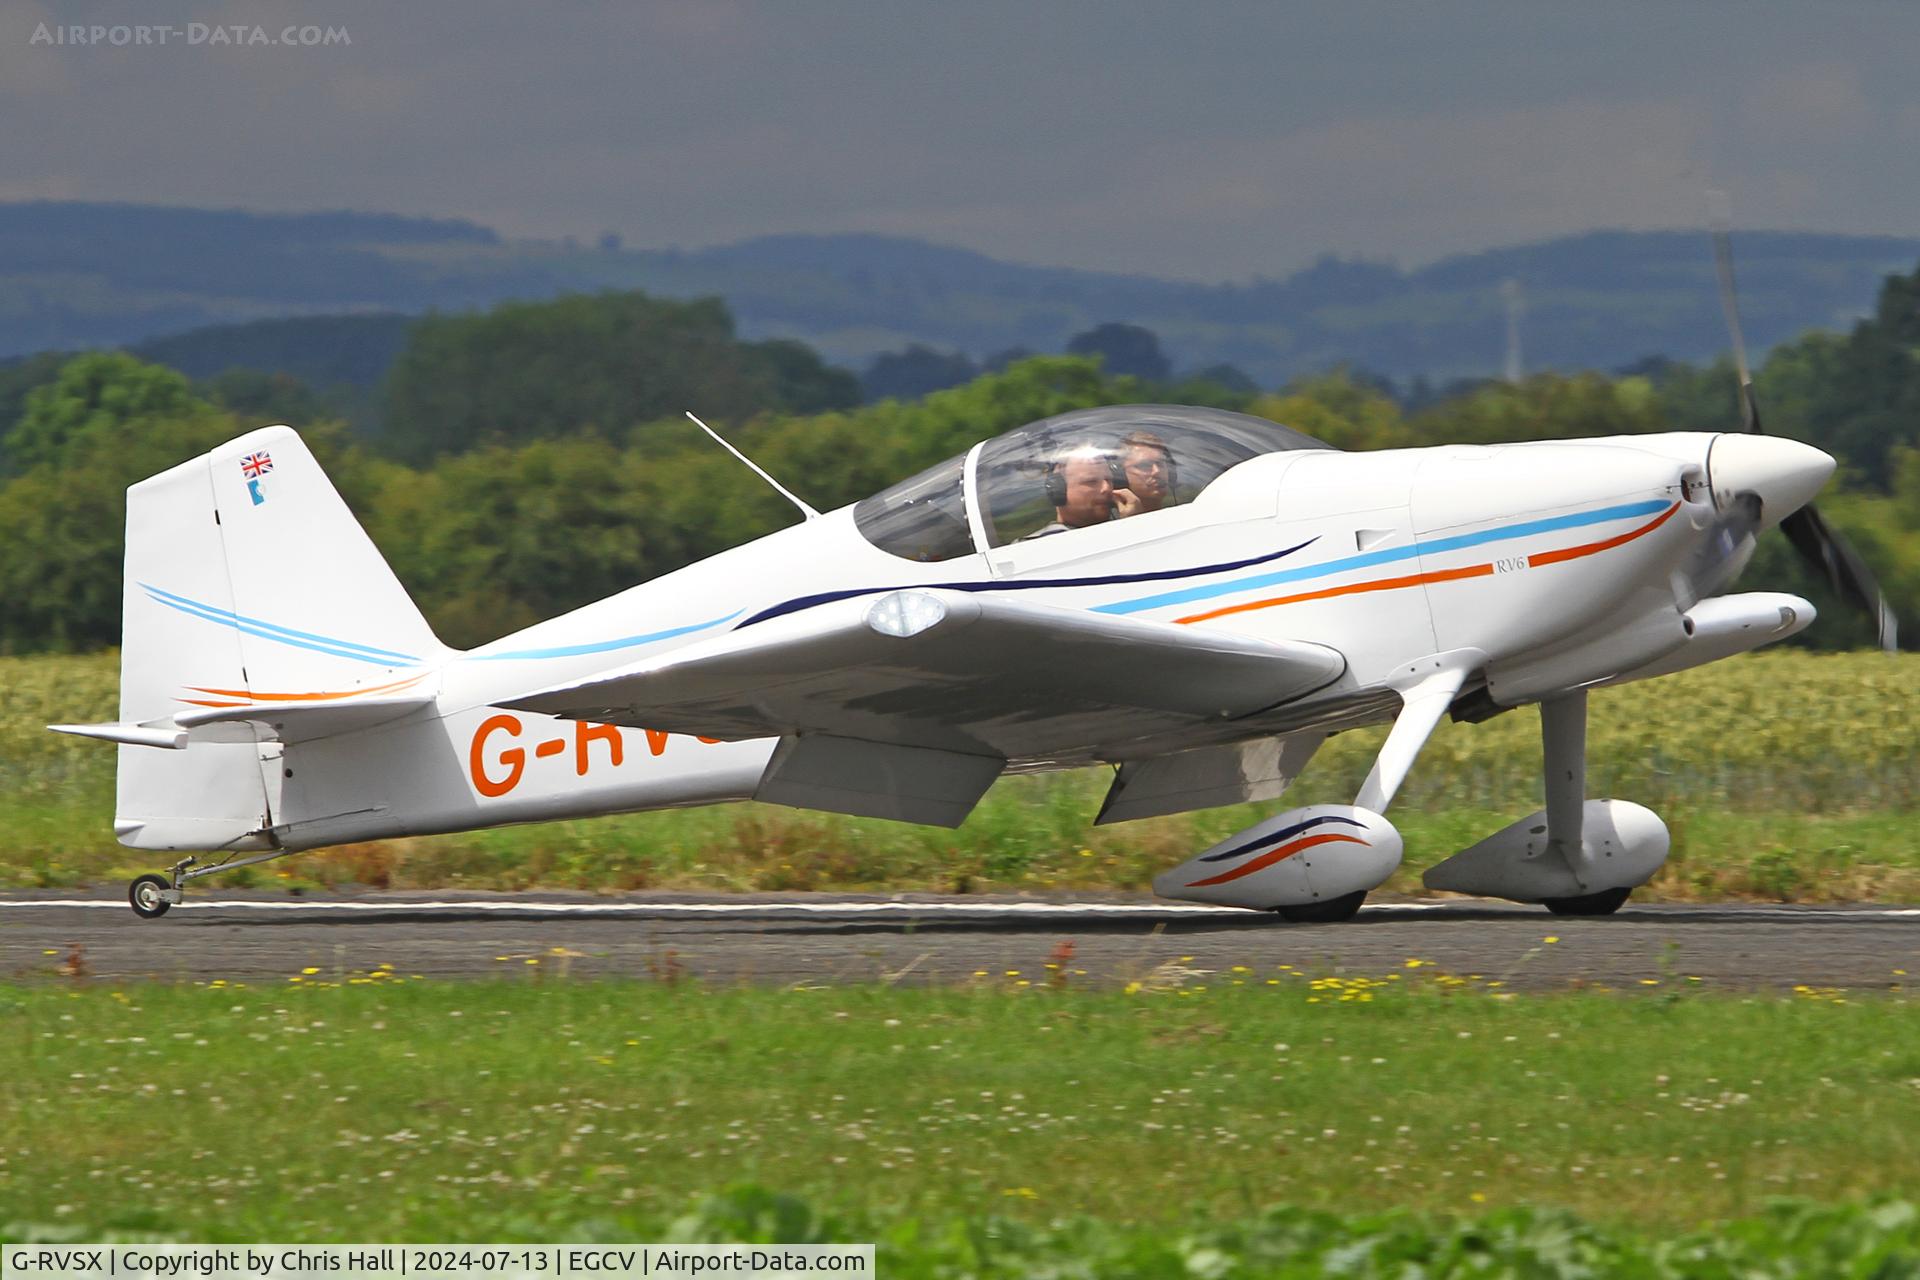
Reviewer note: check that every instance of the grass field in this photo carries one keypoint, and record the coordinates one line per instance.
(368, 1106)
(1782, 775)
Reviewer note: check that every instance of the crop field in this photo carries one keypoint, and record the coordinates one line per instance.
(1236, 1107)
(1786, 775)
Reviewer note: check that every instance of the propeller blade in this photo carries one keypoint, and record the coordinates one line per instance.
(1719, 210)
(1829, 555)
(1823, 549)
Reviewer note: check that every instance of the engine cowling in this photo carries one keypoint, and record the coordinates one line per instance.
(1293, 859)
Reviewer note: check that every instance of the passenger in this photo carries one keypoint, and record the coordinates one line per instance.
(1080, 487)
(1148, 468)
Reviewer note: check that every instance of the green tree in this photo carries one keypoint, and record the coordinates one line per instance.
(1335, 408)
(1544, 407)
(1127, 350)
(18, 378)
(89, 405)
(105, 422)
(502, 537)
(538, 370)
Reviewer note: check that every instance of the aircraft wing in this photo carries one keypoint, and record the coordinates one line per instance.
(952, 672)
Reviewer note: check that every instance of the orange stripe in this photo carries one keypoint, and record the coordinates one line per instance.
(299, 697)
(1273, 856)
(1442, 575)
(1380, 584)
(202, 702)
(1592, 548)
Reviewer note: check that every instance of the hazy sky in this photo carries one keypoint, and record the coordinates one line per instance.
(1211, 141)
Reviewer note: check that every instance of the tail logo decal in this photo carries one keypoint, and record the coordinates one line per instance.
(252, 467)
(282, 635)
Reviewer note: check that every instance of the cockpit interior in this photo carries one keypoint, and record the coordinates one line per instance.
(1049, 478)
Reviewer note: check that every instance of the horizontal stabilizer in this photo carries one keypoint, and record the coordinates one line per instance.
(951, 671)
(132, 735)
(299, 721)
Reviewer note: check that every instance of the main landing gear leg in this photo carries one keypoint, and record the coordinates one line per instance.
(1563, 741)
(1576, 857)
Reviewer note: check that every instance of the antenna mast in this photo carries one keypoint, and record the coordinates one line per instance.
(755, 467)
(1516, 307)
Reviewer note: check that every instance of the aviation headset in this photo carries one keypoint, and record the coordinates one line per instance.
(1055, 478)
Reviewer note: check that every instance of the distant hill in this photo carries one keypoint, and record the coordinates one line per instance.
(86, 275)
(321, 351)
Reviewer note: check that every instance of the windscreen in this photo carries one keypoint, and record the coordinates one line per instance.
(1119, 462)
(924, 518)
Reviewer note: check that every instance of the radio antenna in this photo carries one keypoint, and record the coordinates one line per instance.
(755, 467)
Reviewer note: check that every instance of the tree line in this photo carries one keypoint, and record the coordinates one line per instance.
(533, 458)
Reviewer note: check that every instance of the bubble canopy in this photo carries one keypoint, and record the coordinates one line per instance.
(1065, 472)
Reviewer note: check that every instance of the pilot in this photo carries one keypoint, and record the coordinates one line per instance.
(1148, 468)
(1080, 486)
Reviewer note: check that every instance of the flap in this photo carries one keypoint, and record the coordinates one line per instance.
(1208, 777)
(952, 671)
(871, 780)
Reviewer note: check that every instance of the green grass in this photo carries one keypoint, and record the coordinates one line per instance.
(1784, 775)
(1792, 1240)
(350, 1107)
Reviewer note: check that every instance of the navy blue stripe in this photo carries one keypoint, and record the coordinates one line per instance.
(1023, 584)
(1281, 837)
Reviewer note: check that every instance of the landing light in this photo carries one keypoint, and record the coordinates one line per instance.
(905, 613)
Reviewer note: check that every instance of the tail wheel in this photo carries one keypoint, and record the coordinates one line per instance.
(148, 896)
(1603, 903)
(1332, 911)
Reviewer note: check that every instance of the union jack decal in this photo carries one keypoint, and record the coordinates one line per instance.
(255, 465)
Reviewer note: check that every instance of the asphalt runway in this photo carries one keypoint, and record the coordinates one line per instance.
(917, 939)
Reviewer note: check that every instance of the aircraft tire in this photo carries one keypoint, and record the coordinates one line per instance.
(144, 896)
(1332, 911)
(1603, 903)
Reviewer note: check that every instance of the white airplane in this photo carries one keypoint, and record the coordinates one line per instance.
(1202, 625)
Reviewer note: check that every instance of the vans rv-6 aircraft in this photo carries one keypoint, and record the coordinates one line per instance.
(281, 692)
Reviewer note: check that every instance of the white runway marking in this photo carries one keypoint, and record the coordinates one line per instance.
(831, 907)
(686, 908)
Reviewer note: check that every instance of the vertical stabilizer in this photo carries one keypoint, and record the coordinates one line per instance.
(247, 581)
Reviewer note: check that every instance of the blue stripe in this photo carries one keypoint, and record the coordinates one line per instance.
(603, 646)
(1023, 584)
(1435, 547)
(279, 634)
(1282, 836)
